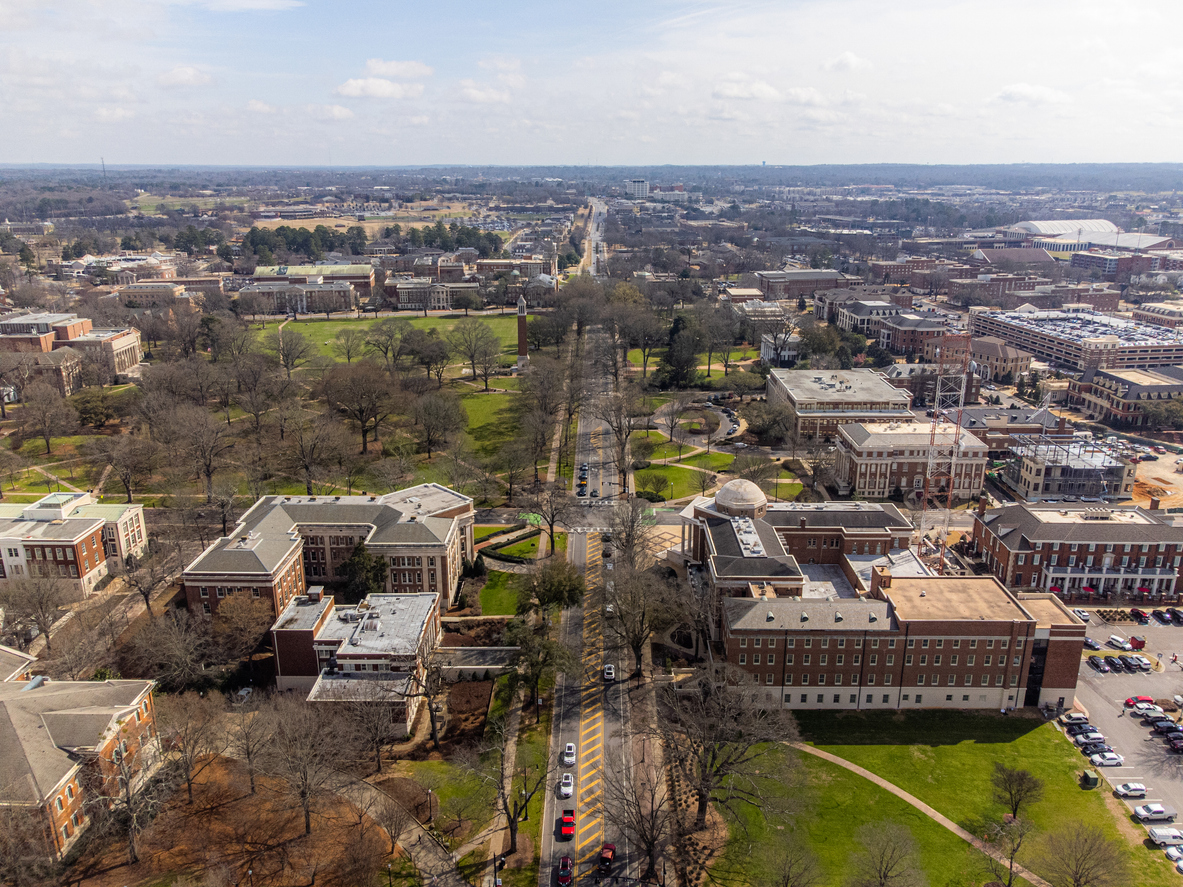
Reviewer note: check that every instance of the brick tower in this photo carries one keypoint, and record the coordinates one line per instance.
(523, 353)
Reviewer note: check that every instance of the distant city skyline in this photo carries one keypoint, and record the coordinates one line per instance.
(284, 82)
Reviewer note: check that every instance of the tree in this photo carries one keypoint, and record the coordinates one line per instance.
(45, 414)
(619, 411)
(389, 338)
(26, 857)
(349, 343)
(313, 445)
(890, 857)
(537, 655)
(438, 416)
(1007, 840)
(552, 504)
(817, 459)
(120, 798)
(646, 333)
(290, 348)
(760, 470)
(372, 720)
(790, 863)
(242, 621)
(195, 736)
(248, 733)
(717, 736)
(466, 301)
(631, 526)
(361, 391)
(145, 574)
(16, 369)
(537, 427)
(673, 413)
(393, 818)
(636, 799)
(308, 742)
(552, 584)
(472, 340)
(175, 651)
(94, 407)
(35, 601)
(363, 573)
(704, 481)
(132, 459)
(511, 785)
(681, 359)
(1014, 788)
(432, 353)
(207, 442)
(514, 462)
(642, 603)
(1081, 855)
(427, 683)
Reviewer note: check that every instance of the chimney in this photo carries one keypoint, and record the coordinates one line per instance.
(1155, 503)
(981, 506)
(880, 579)
(1061, 426)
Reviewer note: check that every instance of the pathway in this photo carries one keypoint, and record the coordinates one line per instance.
(56, 479)
(919, 805)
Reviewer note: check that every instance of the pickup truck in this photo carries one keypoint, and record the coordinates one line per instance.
(567, 825)
(1165, 837)
(1155, 813)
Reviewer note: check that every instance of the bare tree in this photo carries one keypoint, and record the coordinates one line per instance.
(704, 481)
(512, 787)
(621, 414)
(26, 857)
(537, 427)
(290, 348)
(35, 601)
(631, 524)
(438, 416)
(122, 797)
(146, 574)
(314, 444)
(248, 734)
(642, 603)
(1081, 855)
(362, 392)
(371, 718)
(646, 333)
(636, 799)
(132, 459)
(553, 505)
(427, 683)
(537, 655)
(789, 862)
(472, 340)
(207, 443)
(394, 818)
(308, 741)
(195, 736)
(818, 459)
(1015, 788)
(718, 737)
(890, 857)
(514, 462)
(1007, 841)
(16, 369)
(175, 650)
(242, 621)
(674, 412)
(45, 414)
(349, 343)
(389, 338)
(760, 470)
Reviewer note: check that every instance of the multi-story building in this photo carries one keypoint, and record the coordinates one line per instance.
(1082, 551)
(738, 295)
(423, 534)
(821, 400)
(993, 358)
(875, 461)
(376, 650)
(900, 270)
(920, 380)
(864, 317)
(43, 333)
(1082, 339)
(70, 536)
(909, 332)
(1168, 314)
(1042, 470)
(989, 288)
(1111, 264)
(855, 620)
(360, 276)
(314, 296)
(637, 189)
(1002, 429)
(69, 744)
(1119, 397)
(794, 284)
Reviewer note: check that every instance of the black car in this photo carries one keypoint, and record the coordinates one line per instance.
(1165, 727)
(1140, 616)
(1100, 663)
(1094, 748)
(1090, 644)
(1176, 615)
(1077, 729)
(1149, 457)
(1115, 663)
(1173, 735)
(1161, 617)
(1129, 663)
(1177, 745)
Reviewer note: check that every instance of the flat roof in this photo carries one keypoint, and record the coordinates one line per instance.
(424, 499)
(302, 613)
(1089, 326)
(841, 386)
(1047, 611)
(826, 582)
(906, 434)
(952, 598)
(795, 614)
(387, 624)
(902, 563)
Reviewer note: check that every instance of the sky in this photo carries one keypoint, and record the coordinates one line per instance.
(393, 83)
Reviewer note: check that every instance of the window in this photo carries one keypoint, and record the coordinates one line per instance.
(755, 659)
(873, 660)
(953, 659)
(990, 644)
(804, 680)
(986, 660)
(911, 643)
(788, 659)
(908, 659)
(804, 699)
(837, 681)
(891, 658)
(997, 680)
(940, 643)
(58, 803)
(891, 644)
(788, 682)
(887, 679)
(743, 642)
(771, 659)
(768, 678)
(920, 679)
(756, 642)
(841, 643)
(924, 644)
(808, 643)
(825, 642)
(924, 660)
(969, 660)
(205, 609)
(771, 643)
(936, 660)
(870, 680)
(1014, 680)
(856, 659)
(838, 659)
(886, 697)
(204, 591)
(820, 698)
(804, 658)
(70, 792)
(822, 659)
(985, 680)
(743, 658)
(854, 679)
(221, 592)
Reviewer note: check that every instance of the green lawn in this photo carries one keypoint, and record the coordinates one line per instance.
(525, 548)
(499, 597)
(450, 781)
(685, 481)
(481, 532)
(322, 332)
(710, 461)
(838, 803)
(946, 760)
(491, 421)
(747, 353)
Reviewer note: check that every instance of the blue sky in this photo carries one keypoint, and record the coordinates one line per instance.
(800, 81)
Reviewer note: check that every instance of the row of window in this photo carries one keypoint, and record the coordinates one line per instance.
(857, 642)
(221, 592)
(854, 679)
(872, 659)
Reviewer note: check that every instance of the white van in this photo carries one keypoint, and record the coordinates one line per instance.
(1166, 837)
(1119, 643)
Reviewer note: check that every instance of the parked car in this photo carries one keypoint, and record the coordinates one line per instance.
(1143, 663)
(1130, 790)
(1119, 643)
(566, 871)
(1107, 759)
(1077, 729)
(1095, 748)
(1150, 457)
(581, 492)
(609, 672)
(1086, 738)
(1074, 717)
(567, 785)
(567, 825)
(1173, 735)
(1161, 617)
(1155, 813)
(1141, 616)
(569, 754)
(1165, 726)
(1082, 615)
(1100, 663)
(607, 856)
(1144, 708)
(1174, 854)
(1128, 661)
(1176, 745)
(1090, 644)
(1176, 615)
(1134, 700)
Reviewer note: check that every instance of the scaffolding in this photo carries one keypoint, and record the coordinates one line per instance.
(944, 448)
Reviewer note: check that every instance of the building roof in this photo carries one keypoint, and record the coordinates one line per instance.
(1020, 526)
(1018, 256)
(302, 612)
(313, 270)
(915, 321)
(1047, 610)
(995, 347)
(795, 276)
(1056, 227)
(841, 386)
(903, 434)
(13, 663)
(45, 724)
(1140, 384)
(848, 515)
(1086, 326)
(945, 598)
(740, 493)
(747, 548)
(795, 614)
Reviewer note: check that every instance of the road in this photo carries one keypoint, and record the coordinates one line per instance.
(595, 233)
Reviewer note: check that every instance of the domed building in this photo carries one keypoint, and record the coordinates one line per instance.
(741, 498)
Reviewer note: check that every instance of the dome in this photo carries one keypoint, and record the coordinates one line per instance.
(741, 497)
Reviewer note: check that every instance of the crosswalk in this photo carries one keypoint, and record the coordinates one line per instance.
(590, 823)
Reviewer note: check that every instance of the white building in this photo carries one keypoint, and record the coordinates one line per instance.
(637, 189)
(873, 460)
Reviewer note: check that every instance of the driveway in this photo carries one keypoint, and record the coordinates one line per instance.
(1147, 759)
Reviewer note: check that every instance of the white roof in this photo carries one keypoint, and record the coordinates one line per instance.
(1067, 226)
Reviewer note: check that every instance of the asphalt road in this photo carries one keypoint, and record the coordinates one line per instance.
(1147, 759)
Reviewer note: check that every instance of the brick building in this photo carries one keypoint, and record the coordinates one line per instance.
(822, 400)
(900, 270)
(987, 289)
(360, 276)
(1106, 553)
(1168, 314)
(993, 357)
(69, 744)
(909, 332)
(312, 296)
(1111, 264)
(422, 533)
(43, 333)
(920, 380)
(1119, 397)
(794, 284)
(827, 302)
(875, 460)
(864, 317)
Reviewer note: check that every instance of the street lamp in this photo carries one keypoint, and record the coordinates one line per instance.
(389, 876)
(250, 873)
(525, 807)
(429, 817)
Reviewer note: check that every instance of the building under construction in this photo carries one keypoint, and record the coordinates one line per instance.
(1042, 469)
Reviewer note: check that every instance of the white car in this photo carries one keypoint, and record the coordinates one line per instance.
(1130, 790)
(1074, 717)
(1179, 866)
(1087, 738)
(1143, 708)
(567, 785)
(1082, 615)
(1107, 759)
(609, 672)
(1151, 713)
(569, 754)
(1174, 854)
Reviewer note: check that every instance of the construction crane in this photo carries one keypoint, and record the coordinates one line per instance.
(944, 443)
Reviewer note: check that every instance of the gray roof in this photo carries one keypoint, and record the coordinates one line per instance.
(44, 725)
(848, 515)
(13, 662)
(1022, 526)
(913, 321)
(793, 614)
(729, 559)
(977, 418)
(1158, 383)
(904, 434)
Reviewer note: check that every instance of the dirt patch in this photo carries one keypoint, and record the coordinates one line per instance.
(1121, 814)
(525, 853)
(407, 792)
(226, 831)
(1158, 479)
(470, 696)
(474, 632)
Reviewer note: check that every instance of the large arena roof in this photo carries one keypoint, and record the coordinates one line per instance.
(1067, 226)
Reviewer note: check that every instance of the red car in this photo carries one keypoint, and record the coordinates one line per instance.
(1134, 700)
(607, 855)
(566, 871)
(567, 825)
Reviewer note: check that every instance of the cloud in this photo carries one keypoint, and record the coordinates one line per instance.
(1029, 94)
(407, 70)
(184, 75)
(328, 112)
(805, 95)
(738, 86)
(113, 115)
(257, 107)
(847, 61)
(243, 5)
(419, 120)
(483, 94)
(379, 88)
(500, 63)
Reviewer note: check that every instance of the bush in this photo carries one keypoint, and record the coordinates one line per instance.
(650, 497)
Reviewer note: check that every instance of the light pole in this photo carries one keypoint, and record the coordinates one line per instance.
(525, 807)
(429, 817)
(250, 873)
(389, 876)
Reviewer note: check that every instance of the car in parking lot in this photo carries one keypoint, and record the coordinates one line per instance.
(1107, 759)
(595, 494)
(581, 492)
(1144, 708)
(1077, 729)
(1086, 738)
(1173, 736)
(1140, 616)
(1143, 663)
(1161, 617)
(1119, 643)
(1100, 663)
(1130, 790)
(1090, 644)
(1128, 662)
(1082, 615)
(567, 785)
(1094, 748)
(1074, 717)
(1165, 726)
(569, 754)
(1176, 745)
(1175, 614)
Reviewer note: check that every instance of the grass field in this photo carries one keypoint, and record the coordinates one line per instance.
(525, 548)
(481, 532)
(710, 461)
(498, 597)
(946, 759)
(747, 353)
(451, 782)
(491, 420)
(147, 203)
(684, 480)
(322, 332)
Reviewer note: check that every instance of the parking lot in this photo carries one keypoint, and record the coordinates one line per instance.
(1147, 759)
